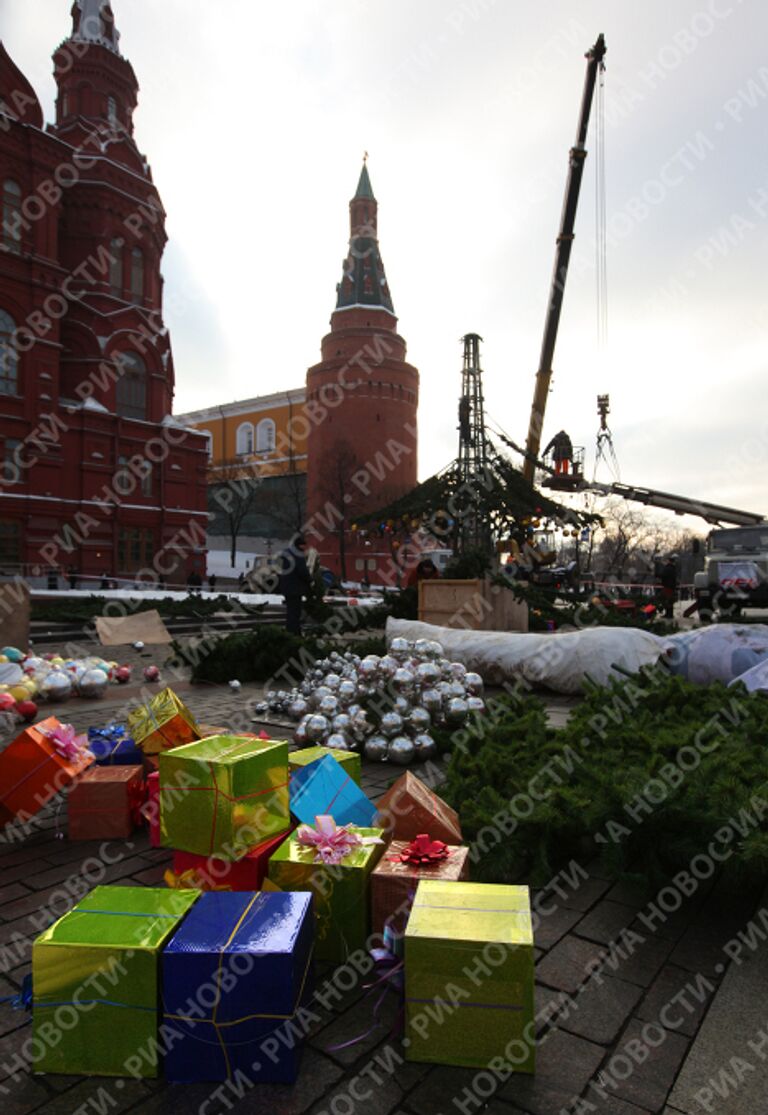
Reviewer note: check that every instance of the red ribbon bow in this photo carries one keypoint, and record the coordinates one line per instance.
(423, 851)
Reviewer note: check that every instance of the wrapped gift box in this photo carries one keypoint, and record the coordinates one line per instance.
(36, 766)
(349, 761)
(394, 882)
(165, 721)
(340, 891)
(253, 1001)
(409, 807)
(100, 964)
(152, 810)
(323, 787)
(105, 803)
(450, 926)
(222, 795)
(112, 746)
(211, 873)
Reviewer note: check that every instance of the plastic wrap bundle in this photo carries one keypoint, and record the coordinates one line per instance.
(384, 706)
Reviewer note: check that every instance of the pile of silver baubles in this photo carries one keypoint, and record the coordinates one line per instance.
(423, 688)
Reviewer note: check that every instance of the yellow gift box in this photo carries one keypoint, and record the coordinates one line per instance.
(469, 975)
(164, 722)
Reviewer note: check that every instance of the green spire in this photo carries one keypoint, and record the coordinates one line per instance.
(364, 188)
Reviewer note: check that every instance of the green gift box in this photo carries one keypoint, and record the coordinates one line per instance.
(348, 760)
(221, 795)
(95, 982)
(340, 890)
(469, 975)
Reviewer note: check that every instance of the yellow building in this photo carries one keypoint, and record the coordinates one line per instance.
(270, 430)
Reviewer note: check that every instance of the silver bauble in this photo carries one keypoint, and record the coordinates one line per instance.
(458, 670)
(338, 741)
(298, 708)
(473, 684)
(445, 669)
(435, 649)
(402, 705)
(421, 648)
(427, 673)
(419, 720)
(376, 748)
(300, 735)
(329, 706)
(475, 704)
(361, 725)
(368, 671)
(399, 648)
(456, 689)
(391, 723)
(56, 687)
(317, 728)
(403, 680)
(401, 751)
(333, 681)
(388, 665)
(347, 691)
(456, 712)
(342, 722)
(432, 700)
(92, 683)
(424, 746)
(354, 709)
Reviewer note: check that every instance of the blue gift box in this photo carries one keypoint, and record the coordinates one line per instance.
(324, 788)
(233, 978)
(113, 747)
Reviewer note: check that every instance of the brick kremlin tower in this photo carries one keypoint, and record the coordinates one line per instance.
(362, 400)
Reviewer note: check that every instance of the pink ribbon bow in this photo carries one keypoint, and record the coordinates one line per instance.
(331, 843)
(70, 746)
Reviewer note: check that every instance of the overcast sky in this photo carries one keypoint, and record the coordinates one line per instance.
(255, 116)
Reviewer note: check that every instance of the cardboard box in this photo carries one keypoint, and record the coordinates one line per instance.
(211, 873)
(458, 932)
(254, 1001)
(394, 883)
(103, 956)
(410, 807)
(221, 795)
(163, 722)
(105, 803)
(322, 788)
(349, 761)
(33, 770)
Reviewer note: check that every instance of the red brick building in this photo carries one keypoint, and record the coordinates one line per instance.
(95, 474)
(361, 401)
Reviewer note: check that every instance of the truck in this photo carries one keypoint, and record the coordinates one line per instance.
(735, 573)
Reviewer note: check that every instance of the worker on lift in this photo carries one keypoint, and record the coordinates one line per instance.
(562, 453)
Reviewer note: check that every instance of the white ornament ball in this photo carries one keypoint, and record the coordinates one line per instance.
(57, 686)
(92, 683)
(234, 685)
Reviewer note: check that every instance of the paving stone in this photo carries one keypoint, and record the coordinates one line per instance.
(435, 1094)
(366, 1097)
(605, 922)
(567, 965)
(24, 1095)
(551, 927)
(630, 893)
(20, 871)
(647, 1084)
(638, 961)
(98, 1093)
(355, 1023)
(611, 1105)
(23, 854)
(317, 1075)
(548, 1004)
(586, 894)
(691, 995)
(564, 1064)
(13, 1044)
(10, 894)
(151, 876)
(184, 1099)
(602, 1007)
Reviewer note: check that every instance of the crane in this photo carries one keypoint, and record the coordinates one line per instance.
(576, 159)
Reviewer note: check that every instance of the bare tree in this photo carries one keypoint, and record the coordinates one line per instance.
(235, 485)
(343, 501)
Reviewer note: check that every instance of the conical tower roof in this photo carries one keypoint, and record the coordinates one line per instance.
(363, 282)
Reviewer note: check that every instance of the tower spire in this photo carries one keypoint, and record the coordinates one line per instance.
(363, 282)
(93, 22)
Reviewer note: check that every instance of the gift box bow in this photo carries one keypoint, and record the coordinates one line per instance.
(332, 843)
(113, 733)
(69, 745)
(191, 879)
(423, 851)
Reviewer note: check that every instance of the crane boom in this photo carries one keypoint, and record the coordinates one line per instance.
(576, 158)
(681, 505)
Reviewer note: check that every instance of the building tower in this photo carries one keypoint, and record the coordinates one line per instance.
(95, 475)
(362, 400)
(473, 445)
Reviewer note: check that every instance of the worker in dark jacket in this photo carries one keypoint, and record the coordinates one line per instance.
(295, 582)
(668, 579)
(562, 452)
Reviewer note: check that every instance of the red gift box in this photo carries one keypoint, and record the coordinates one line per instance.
(152, 810)
(105, 803)
(36, 766)
(211, 873)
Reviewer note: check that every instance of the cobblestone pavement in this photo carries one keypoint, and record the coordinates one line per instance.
(623, 986)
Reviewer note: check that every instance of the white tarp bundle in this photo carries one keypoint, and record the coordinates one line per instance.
(557, 661)
(721, 652)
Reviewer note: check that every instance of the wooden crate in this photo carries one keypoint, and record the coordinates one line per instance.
(471, 605)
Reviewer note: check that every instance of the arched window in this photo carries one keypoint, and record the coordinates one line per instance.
(132, 385)
(112, 110)
(9, 357)
(12, 215)
(265, 436)
(244, 439)
(137, 275)
(208, 442)
(116, 267)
